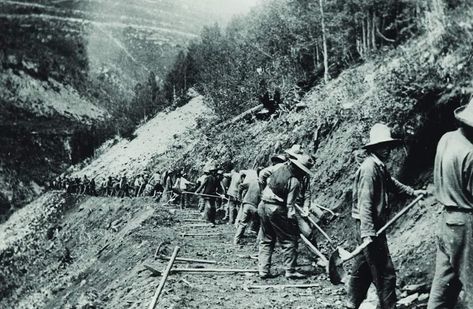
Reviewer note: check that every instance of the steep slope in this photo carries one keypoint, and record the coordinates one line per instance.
(413, 88)
(67, 66)
(80, 252)
(152, 140)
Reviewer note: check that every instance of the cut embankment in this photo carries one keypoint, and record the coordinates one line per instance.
(152, 140)
(65, 251)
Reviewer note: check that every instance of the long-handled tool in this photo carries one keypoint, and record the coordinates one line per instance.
(201, 270)
(200, 234)
(330, 240)
(206, 195)
(336, 271)
(334, 214)
(164, 278)
(281, 286)
(312, 248)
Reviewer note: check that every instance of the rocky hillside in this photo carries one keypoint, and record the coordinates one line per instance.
(72, 72)
(152, 140)
(90, 251)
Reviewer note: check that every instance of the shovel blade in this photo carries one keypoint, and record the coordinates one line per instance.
(336, 272)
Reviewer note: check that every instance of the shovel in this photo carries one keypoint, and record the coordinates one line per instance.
(336, 271)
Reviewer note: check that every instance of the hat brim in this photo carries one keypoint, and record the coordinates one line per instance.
(385, 143)
(291, 153)
(301, 167)
(461, 115)
(277, 159)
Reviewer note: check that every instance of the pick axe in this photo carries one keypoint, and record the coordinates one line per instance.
(336, 271)
(334, 214)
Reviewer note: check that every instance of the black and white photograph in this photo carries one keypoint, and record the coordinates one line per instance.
(261, 154)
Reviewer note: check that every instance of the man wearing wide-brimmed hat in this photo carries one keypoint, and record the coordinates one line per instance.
(277, 214)
(209, 186)
(453, 178)
(370, 209)
(304, 197)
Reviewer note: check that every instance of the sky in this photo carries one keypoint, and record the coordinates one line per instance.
(225, 9)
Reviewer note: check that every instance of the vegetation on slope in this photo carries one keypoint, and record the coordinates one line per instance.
(414, 88)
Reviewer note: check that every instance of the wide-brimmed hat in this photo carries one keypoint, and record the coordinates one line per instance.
(208, 167)
(294, 151)
(280, 158)
(464, 114)
(380, 135)
(303, 162)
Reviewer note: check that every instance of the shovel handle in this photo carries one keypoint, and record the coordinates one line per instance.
(400, 214)
(390, 222)
(206, 195)
(314, 249)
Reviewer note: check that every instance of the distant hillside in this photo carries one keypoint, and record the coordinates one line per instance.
(152, 140)
(74, 73)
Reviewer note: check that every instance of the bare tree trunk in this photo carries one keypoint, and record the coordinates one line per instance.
(324, 40)
(373, 32)
(363, 36)
(317, 53)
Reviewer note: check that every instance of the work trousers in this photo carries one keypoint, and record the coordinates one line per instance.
(209, 210)
(249, 216)
(201, 204)
(373, 265)
(454, 265)
(184, 200)
(232, 209)
(276, 226)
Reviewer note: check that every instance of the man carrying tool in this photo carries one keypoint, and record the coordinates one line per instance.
(198, 183)
(233, 197)
(250, 192)
(277, 213)
(209, 186)
(370, 210)
(453, 178)
(304, 197)
(184, 185)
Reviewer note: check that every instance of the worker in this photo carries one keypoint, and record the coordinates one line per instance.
(184, 185)
(137, 184)
(208, 187)
(250, 193)
(277, 215)
(233, 197)
(199, 182)
(167, 184)
(453, 179)
(124, 186)
(370, 209)
(304, 197)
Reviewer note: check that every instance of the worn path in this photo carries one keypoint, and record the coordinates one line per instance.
(228, 290)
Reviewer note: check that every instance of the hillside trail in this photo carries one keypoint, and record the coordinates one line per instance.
(189, 290)
(74, 251)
